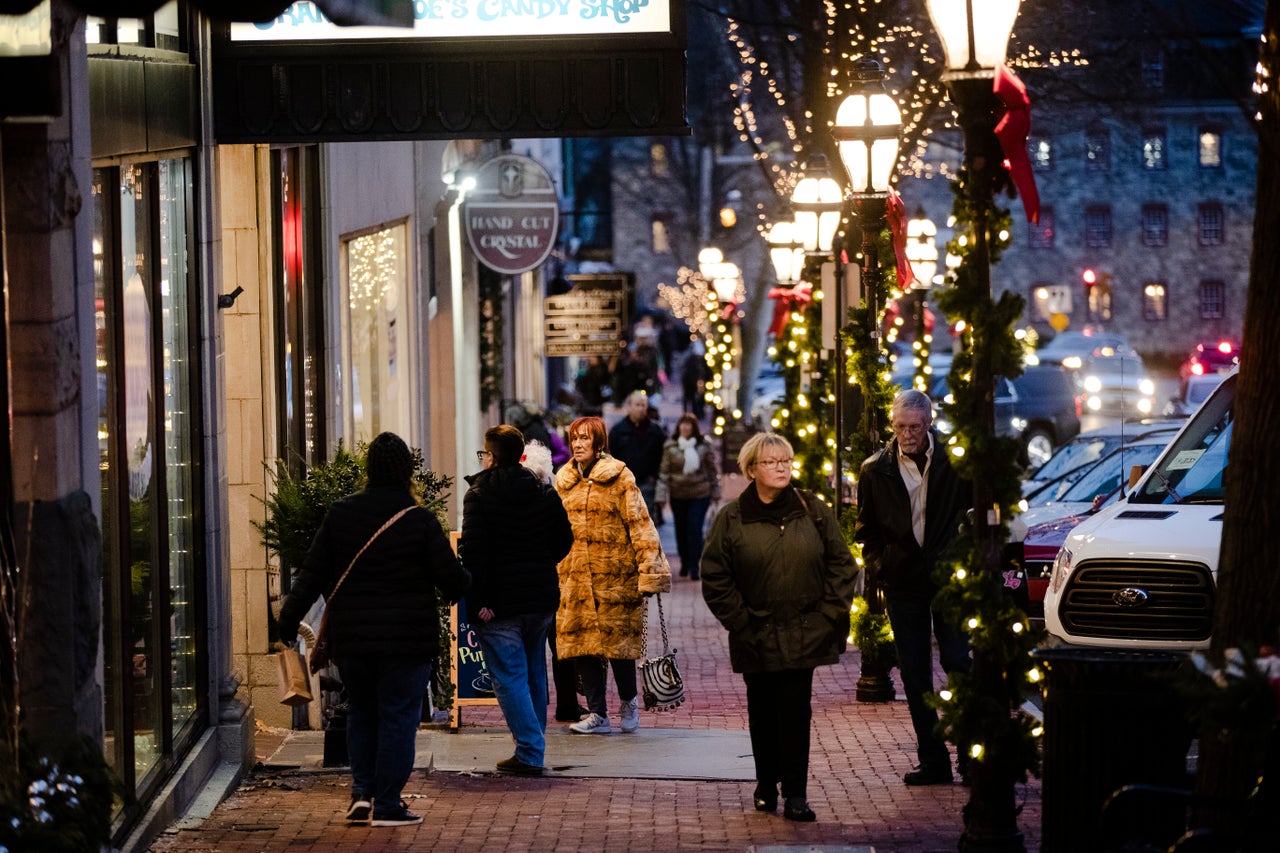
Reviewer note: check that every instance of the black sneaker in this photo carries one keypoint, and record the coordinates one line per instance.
(395, 817)
(926, 775)
(516, 767)
(358, 811)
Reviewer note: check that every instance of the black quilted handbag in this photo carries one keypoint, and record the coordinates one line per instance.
(660, 680)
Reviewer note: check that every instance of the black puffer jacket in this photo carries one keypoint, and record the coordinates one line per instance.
(387, 605)
(895, 561)
(514, 532)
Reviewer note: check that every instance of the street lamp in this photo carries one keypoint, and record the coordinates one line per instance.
(922, 252)
(817, 202)
(975, 36)
(866, 130)
(786, 252)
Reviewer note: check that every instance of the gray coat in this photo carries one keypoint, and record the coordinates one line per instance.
(783, 590)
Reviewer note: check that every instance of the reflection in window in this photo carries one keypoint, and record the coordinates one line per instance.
(1097, 149)
(1041, 154)
(1213, 299)
(1155, 225)
(376, 285)
(1097, 226)
(1153, 149)
(1154, 301)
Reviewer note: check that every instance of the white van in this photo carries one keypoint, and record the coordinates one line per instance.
(1141, 573)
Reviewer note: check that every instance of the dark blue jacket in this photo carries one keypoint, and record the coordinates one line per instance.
(638, 447)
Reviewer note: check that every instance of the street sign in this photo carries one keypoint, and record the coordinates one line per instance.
(588, 320)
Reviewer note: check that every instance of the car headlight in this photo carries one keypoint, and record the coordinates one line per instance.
(1092, 384)
(1072, 362)
(1061, 568)
(1019, 424)
(1094, 403)
(1146, 386)
(1145, 406)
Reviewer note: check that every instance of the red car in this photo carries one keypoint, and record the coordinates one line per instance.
(1211, 357)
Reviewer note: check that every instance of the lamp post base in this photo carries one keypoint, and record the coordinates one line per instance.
(874, 685)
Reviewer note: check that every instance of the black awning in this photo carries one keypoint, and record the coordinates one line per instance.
(386, 13)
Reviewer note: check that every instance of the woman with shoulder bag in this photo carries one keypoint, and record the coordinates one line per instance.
(776, 572)
(689, 481)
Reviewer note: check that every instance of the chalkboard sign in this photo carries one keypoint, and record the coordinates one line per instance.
(470, 676)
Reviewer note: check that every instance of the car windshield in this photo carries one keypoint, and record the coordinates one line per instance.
(1192, 469)
(1111, 472)
(1075, 455)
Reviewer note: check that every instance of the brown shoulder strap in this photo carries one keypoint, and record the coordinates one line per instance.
(390, 521)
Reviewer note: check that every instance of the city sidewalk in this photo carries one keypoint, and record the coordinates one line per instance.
(683, 782)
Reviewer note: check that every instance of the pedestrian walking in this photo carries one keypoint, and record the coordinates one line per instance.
(636, 441)
(776, 573)
(615, 562)
(910, 504)
(689, 481)
(514, 532)
(382, 621)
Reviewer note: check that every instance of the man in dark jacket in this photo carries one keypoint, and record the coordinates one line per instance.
(514, 533)
(382, 621)
(636, 441)
(910, 502)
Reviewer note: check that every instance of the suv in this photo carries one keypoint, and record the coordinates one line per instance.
(1142, 572)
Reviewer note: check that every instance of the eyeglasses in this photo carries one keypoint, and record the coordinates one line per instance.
(482, 455)
(908, 429)
(779, 464)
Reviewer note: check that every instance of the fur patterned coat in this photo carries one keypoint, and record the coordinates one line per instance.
(616, 560)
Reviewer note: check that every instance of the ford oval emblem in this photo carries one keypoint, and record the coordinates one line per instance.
(1130, 596)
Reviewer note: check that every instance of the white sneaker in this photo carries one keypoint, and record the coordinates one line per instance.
(592, 724)
(631, 715)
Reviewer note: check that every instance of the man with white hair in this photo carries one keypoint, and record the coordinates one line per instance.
(910, 502)
(636, 441)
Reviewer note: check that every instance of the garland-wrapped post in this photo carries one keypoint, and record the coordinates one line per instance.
(982, 711)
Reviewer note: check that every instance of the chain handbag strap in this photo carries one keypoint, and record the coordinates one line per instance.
(662, 623)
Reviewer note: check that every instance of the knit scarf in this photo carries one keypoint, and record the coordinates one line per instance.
(690, 448)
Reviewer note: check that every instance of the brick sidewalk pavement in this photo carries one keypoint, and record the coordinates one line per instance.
(859, 754)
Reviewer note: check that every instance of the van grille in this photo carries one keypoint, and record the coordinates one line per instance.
(1166, 601)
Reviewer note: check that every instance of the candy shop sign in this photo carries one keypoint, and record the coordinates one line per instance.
(452, 19)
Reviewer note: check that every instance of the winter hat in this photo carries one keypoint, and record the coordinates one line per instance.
(389, 462)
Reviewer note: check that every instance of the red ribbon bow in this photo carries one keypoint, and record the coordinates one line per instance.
(787, 299)
(1012, 131)
(896, 214)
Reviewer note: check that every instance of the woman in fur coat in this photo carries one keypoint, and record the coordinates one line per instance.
(615, 561)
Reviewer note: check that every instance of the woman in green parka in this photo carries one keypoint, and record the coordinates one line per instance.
(776, 572)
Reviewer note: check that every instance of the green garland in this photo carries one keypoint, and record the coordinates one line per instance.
(993, 727)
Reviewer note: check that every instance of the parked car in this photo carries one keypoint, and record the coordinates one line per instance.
(1194, 391)
(767, 394)
(1070, 349)
(1142, 573)
(1101, 479)
(1079, 454)
(1210, 357)
(1040, 407)
(1116, 385)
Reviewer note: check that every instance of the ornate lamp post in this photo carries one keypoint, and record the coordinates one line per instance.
(922, 252)
(866, 131)
(725, 279)
(786, 252)
(975, 36)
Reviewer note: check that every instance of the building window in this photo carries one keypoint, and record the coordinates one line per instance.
(148, 443)
(1049, 299)
(659, 164)
(1153, 68)
(1097, 149)
(161, 30)
(661, 236)
(1040, 235)
(1155, 302)
(1153, 148)
(1210, 148)
(1210, 224)
(1155, 225)
(1099, 298)
(376, 272)
(1213, 299)
(1097, 226)
(1041, 154)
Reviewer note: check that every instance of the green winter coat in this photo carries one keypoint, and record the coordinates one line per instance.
(782, 591)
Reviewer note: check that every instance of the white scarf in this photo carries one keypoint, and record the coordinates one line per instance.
(690, 447)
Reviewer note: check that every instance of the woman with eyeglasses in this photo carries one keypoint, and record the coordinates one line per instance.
(615, 561)
(776, 572)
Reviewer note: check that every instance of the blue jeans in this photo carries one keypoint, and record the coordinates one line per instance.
(690, 516)
(384, 707)
(913, 622)
(515, 655)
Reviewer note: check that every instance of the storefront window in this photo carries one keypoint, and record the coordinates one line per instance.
(376, 284)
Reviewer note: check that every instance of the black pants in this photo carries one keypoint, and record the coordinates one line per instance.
(565, 675)
(592, 672)
(778, 715)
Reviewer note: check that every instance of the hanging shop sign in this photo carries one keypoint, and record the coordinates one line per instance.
(588, 320)
(512, 215)
(474, 19)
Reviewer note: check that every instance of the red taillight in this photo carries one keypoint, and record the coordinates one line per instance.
(1199, 347)
(1197, 368)
(1225, 347)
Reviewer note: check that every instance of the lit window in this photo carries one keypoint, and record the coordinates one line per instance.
(1042, 154)
(1153, 148)
(1155, 303)
(1213, 299)
(1097, 226)
(1210, 148)
(1155, 225)
(1097, 149)
(659, 165)
(661, 237)
(1210, 224)
(1040, 235)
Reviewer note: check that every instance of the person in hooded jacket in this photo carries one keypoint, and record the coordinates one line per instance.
(776, 572)
(514, 532)
(381, 622)
(616, 560)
